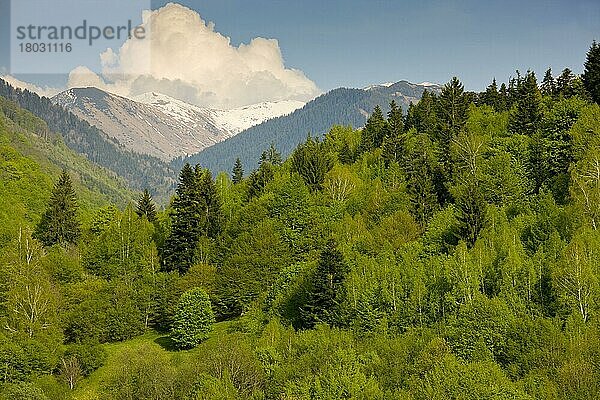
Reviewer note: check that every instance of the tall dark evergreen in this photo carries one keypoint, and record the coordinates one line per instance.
(453, 106)
(271, 156)
(373, 132)
(392, 142)
(196, 213)
(565, 83)
(548, 86)
(211, 217)
(327, 289)
(420, 166)
(591, 72)
(525, 117)
(145, 206)
(59, 224)
(312, 161)
(491, 96)
(238, 171)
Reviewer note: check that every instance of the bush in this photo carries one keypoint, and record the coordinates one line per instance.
(193, 319)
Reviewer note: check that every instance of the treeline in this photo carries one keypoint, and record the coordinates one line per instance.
(452, 252)
(138, 170)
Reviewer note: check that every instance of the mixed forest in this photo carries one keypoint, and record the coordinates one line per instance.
(446, 251)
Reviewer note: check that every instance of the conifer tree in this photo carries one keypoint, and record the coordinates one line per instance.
(145, 206)
(59, 224)
(211, 217)
(392, 142)
(527, 114)
(453, 106)
(327, 292)
(238, 171)
(271, 156)
(180, 245)
(491, 97)
(312, 161)
(373, 132)
(591, 72)
(548, 86)
(196, 213)
(564, 83)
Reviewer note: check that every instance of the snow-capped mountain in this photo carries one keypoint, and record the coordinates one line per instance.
(162, 126)
(233, 121)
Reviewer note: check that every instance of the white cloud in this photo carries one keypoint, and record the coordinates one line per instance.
(186, 58)
(42, 91)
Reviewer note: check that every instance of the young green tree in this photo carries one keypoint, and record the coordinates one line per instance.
(525, 117)
(591, 72)
(238, 171)
(59, 224)
(193, 319)
(145, 207)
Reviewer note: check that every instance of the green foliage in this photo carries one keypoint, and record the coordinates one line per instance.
(326, 296)
(312, 161)
(145, 207)
(59, 224)
(591, 73)
(193, 319)
(526, 115)
(238, 171)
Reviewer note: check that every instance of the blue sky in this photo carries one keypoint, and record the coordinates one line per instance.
(354, 43)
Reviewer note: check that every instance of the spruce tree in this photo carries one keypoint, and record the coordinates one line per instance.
(527, 114)
(196, 213)
(491, 97)
(591, 72)
(271, 156)
(238, 171)
(548, 86)
(211, 217)
(453, 108)
(564, 83)
(180, 245)
(327, 291)
(145, 206)
(373, 132)
(392, 142)
(59, 224)
(312, 161)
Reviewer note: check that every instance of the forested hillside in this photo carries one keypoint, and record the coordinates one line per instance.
(139, 171)
(338, 107)
(448, 252)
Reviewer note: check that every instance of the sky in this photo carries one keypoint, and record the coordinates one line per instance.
(351, 43)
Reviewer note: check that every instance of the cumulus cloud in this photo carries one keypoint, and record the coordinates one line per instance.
(42, 91)
(184, 57)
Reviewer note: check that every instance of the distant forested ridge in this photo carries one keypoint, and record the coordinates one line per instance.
(338, 107)
(139, 171)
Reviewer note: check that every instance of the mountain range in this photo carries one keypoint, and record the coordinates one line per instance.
(342, 106)
(161, 126)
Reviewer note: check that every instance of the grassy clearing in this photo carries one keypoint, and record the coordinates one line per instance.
(91, 387)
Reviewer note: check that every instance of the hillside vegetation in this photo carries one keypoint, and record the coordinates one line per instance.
(449, 252)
